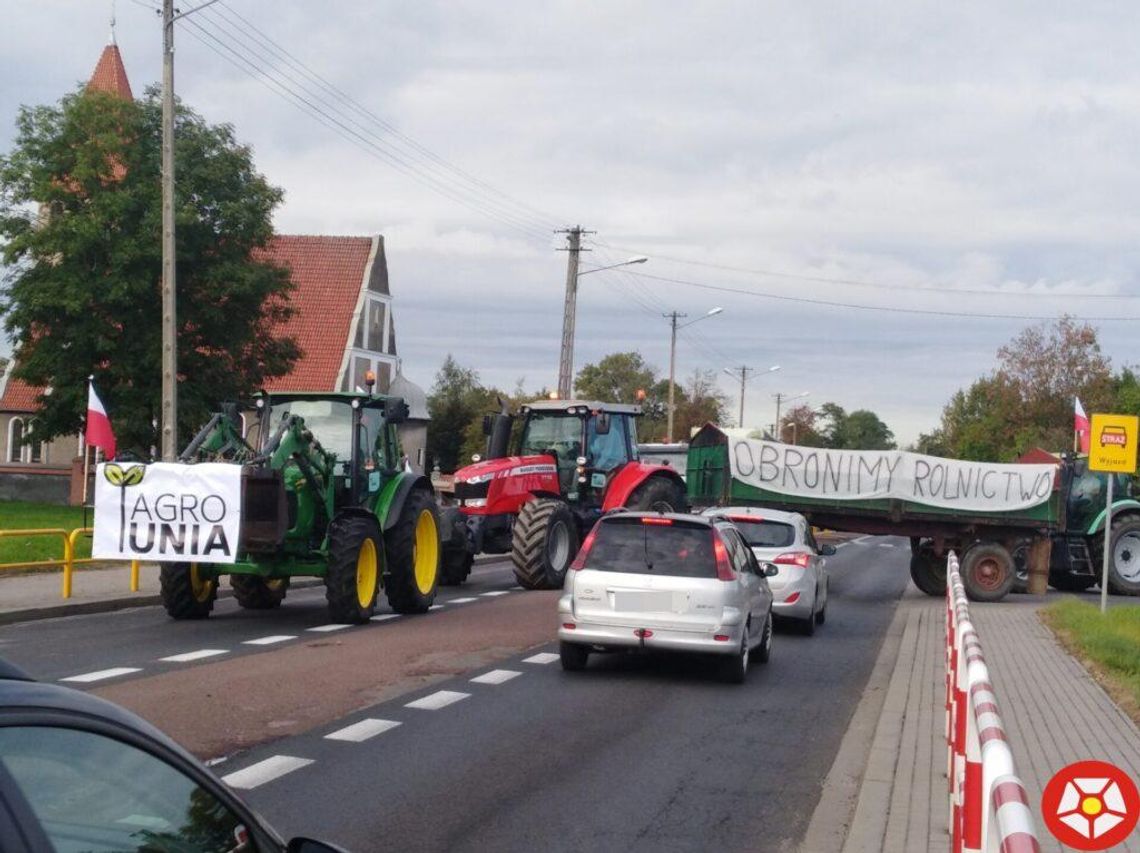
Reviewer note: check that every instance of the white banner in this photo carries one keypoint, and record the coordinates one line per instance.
(848, 475)
(167, 512)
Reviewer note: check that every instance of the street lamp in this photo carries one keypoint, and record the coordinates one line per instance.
(784, 398)
(569, 314)
(672, 317)
(743, 376)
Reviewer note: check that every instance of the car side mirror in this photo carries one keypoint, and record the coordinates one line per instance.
(602, 423)
(769, 570)
(311, 845)
(827, 550)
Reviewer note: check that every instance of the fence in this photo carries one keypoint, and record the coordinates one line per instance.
(68, 561)
(989, 809)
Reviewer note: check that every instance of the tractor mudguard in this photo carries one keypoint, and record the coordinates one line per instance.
(395, 494)
(1118, 507)
(632, 475)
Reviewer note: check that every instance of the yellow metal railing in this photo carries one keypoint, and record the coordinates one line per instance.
(69, 561)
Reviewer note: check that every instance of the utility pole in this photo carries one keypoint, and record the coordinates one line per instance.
(743, 378)
(672, 317)
(779, 436)
(569, 313)
(169, 305)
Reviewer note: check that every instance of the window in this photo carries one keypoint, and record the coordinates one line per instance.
(35, 450)
(377, 319)
(634, 547)
(91, 792)
(15, 439)
(765, 534)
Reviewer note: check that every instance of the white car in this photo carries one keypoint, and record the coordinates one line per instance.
(666, 582)
(785, 539)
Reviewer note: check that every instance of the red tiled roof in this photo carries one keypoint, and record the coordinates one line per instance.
(110, 75)
(19, 396)
(327, 274)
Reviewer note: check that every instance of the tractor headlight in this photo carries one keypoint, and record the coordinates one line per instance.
(475, 502)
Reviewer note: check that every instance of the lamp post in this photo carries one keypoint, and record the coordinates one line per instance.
(570, 309)
(672, 317)
(743, 372)
(784, 398)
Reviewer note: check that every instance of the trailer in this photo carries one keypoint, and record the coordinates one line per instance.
(1046, 519)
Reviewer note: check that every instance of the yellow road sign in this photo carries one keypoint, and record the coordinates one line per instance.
(1112, 445)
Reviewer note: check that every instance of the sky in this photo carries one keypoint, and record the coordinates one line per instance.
(878, 195)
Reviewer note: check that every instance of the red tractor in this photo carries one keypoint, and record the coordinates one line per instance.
(574, 461)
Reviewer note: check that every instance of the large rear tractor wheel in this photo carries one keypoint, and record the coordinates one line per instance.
(987, 571)
(355, 557)
(456, 566)
(414, 555)
(255, 593)
(544, 542)
(927, 570)
(658, 494)
(186, 592)
(1124, 568)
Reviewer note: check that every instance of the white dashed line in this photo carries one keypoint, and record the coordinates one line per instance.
(886, 545)
(496, 676)
(513, 588)
(324, 629)
(842, 545)
(265, 771)
(861, 540)
(496, 592)
(462, 600)
(269, 641)
(186, 657)
(362, 731)
(437, 700)
(88, 677)
(384, 617)
(436, 607)
(541, 657)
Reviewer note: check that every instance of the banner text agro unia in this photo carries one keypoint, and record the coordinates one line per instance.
(178, 521)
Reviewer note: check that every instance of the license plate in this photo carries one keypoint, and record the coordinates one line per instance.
(637, 601)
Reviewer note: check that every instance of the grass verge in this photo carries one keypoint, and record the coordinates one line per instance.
(21, 515)
(1108, 645)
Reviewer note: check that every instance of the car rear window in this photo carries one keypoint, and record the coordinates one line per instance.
(759, 533)
(636, 547)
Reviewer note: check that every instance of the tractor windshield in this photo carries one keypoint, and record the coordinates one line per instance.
(607, 450)
(557, 432)
(330, 421)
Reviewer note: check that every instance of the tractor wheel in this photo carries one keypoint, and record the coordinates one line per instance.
(1071, 583)
(185, 593)
(353, 576)
(987, 571)
(1124, 568)
(256, 593)
(928, 571)
(456, 566)
(413, 555)
(658, 494)
(543, 544)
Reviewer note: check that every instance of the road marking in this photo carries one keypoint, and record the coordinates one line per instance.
(324, 629)
(270, 640)
(462, 600)
(513, 588)
(362, 731)
(88, 677)
(886, 545)
(842, 544)
(436, 607)
(541, 657)
(496, 676)
(265, 771)
(496, 592)
(437, 700)
(861, 540)
(384, 617)
(186, 657)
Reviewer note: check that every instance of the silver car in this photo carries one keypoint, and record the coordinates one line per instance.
(785, 539)
(666, 582)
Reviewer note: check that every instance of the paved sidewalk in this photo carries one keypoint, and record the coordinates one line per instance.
(93, 588)
(1054, 714)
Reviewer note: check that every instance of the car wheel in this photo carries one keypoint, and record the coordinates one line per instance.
(808, 625)
(573, 656)
(764, 653)
(736, 667)
(821, 614)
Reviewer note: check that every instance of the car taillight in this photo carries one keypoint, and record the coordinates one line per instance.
(583, 552)
(799, 559)
(723, 564)
(656, 520)
(721, 638)
(643, 633)
(792, 599)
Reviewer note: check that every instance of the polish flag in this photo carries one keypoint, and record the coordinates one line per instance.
(1081, 426)
(98, 424)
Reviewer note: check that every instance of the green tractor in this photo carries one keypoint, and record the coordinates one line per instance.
(325, 493)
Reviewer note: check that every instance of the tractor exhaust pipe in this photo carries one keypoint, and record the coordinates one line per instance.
(497, 428)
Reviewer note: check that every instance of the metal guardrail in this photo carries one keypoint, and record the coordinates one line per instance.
(989, 808)
(68, 561)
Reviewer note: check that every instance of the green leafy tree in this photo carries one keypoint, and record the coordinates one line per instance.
(702, 402)
(864, 430)
(624, 377)
(84, 295)
(800, 426)
(456, 399)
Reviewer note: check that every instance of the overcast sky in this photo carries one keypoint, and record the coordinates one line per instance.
(898, 151)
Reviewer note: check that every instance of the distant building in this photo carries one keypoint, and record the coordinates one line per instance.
(342, 323)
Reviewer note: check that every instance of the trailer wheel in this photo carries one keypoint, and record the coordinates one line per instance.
(414, 555)
(543, 543)
(928, 571)
(1124, 568)
(186, 594)
(987, 571)
(1020, 555)
(257, 593)
(658, 494)
(355, 557)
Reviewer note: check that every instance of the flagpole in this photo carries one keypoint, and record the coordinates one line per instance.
(86, 448)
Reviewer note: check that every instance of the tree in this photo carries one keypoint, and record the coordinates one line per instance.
(700, 403)
(624, 377)
(798, 426)
(84, 293)
(455, 400)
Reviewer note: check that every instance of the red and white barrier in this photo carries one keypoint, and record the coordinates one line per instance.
(989, 809)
